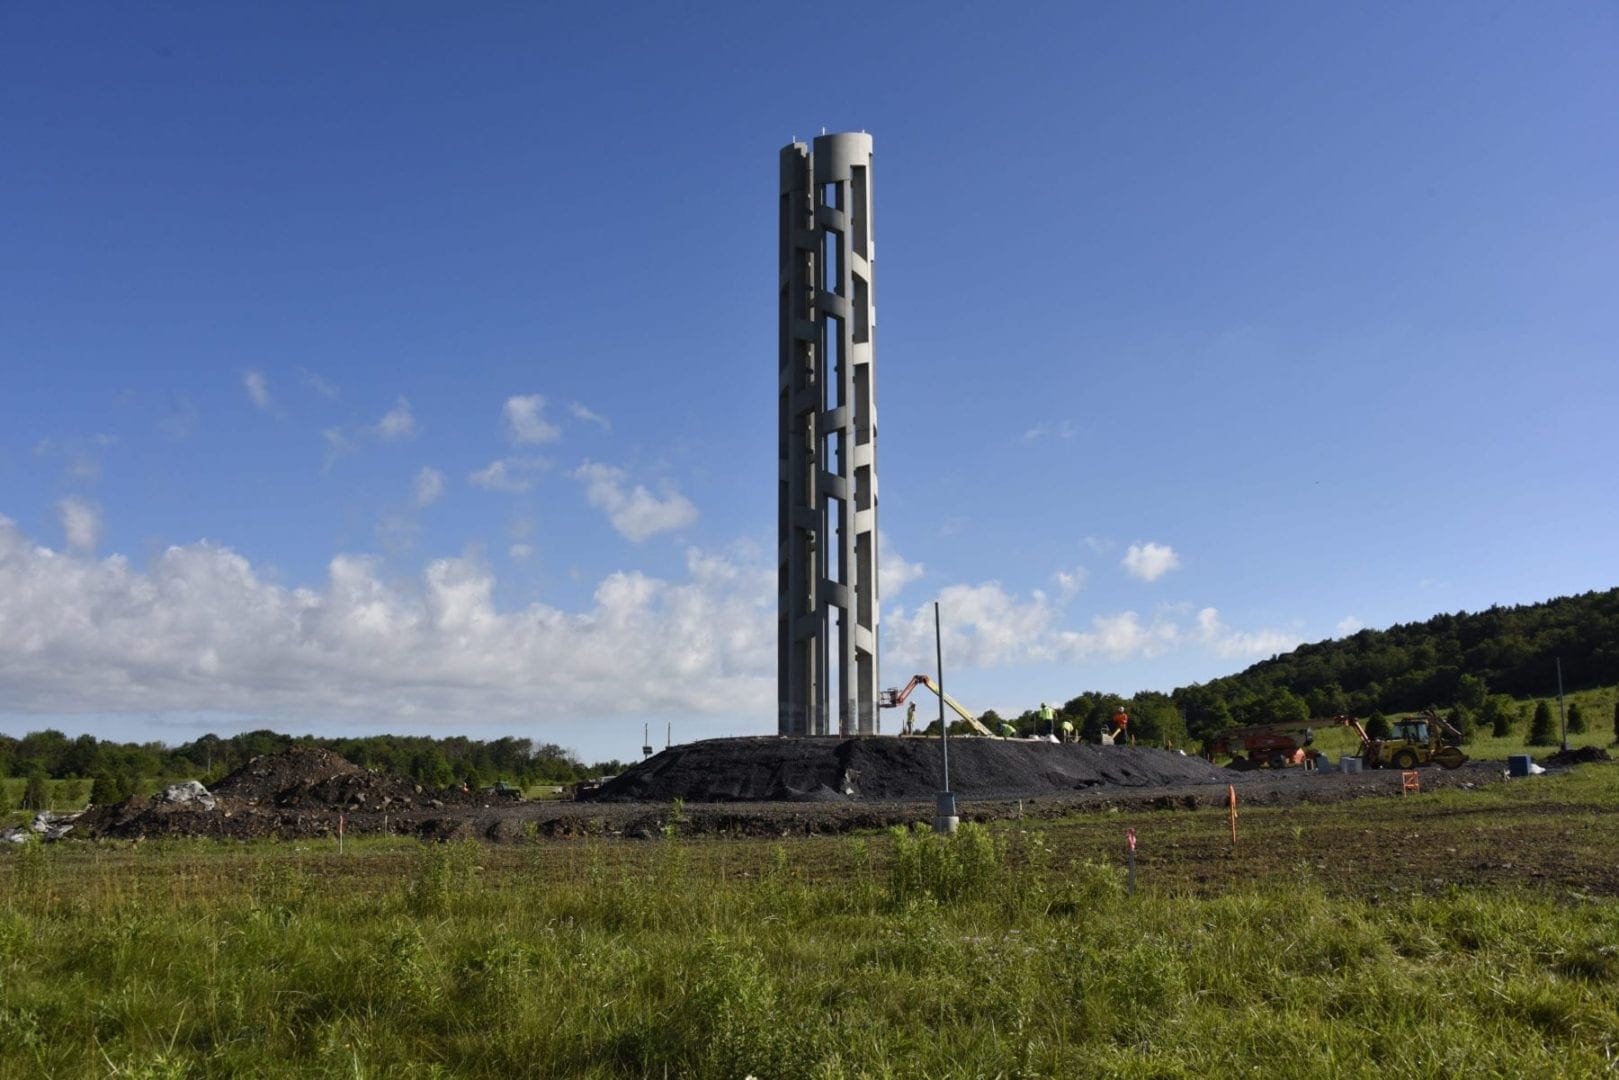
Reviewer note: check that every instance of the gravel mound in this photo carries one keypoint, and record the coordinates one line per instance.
(774, 769)
(1580, 756)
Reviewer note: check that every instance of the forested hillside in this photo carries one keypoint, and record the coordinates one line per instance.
(1448, 658)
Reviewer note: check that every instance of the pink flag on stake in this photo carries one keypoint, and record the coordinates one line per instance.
(1130, 838)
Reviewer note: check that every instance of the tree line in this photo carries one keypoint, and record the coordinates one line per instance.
(1469, 666)
(429, 761)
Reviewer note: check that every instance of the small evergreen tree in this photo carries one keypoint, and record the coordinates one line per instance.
(5, 797)
(1542, 731)
(104, 791)
(1461, 718)
(1497, 715)
(1576, 719)
(36, 796)
(1377, 726)
(1616, 720)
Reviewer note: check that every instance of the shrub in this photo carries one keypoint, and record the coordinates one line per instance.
(1542, 732)
(926, 864)
(1377, 726)
(1461, 718)
(1576, 719)
(37, 796)
(5, 797)
(104, 790)
(1498, 715)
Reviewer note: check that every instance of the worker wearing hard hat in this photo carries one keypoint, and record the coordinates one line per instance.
(910, 719)
(1121, 726)
(1067, 731)
(1048, 719)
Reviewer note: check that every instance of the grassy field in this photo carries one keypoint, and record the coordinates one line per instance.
(1472, 933)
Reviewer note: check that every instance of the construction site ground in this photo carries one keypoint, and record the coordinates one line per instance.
(305, 795)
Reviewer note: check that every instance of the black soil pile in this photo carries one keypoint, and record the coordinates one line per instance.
(309, 778)
(1581, 756)
(296, 793)
(878, 767)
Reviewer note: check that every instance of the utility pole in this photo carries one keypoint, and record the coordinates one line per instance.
(944, 817)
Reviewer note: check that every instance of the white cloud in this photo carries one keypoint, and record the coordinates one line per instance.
(894, 571)
(429, 485)
(200, 629)
(589, 416)
(1120, 636)
(514, 474)
(1150, 561)
(524, 422)
(981, 626)
(1070, 582)
(319, 385)
(1235, 645)
(81, 457)
(1063, 429)
(337, 445)
(634, 511)
(397, 423)
(81, 523)
(1349, 625)
(258, 389)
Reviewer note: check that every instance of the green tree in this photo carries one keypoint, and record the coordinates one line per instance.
(36, 796)
(1576, 719)
(5, 797)
(104, 791)
(1461, 718)
(1616, 720)
(1497, 715)
(1377, 726)
(1542, 731)
(70, 793)
(1471, 691)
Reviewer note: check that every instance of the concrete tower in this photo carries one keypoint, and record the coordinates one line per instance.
(826, 634)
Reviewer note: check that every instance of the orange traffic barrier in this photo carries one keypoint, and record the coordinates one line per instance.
(1409, 782)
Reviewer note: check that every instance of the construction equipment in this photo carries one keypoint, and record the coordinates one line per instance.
(1275, 745)
(891, 699)
(1412, 741)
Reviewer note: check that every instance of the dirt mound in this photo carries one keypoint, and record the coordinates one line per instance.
(1580, 756)
(878, 767)
(297, 793)
(268, 775)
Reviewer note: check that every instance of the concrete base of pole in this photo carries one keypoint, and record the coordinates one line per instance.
(944, 814)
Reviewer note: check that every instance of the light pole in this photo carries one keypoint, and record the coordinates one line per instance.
(944, 816)
(1562, 720)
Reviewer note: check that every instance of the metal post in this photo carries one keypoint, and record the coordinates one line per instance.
(944, 818)
(1562, 720)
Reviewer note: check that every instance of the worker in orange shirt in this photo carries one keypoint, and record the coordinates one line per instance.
(1121, 726)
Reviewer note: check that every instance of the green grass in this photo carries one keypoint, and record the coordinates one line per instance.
(1010, 951)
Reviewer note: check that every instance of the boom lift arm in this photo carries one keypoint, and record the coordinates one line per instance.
(894, 698)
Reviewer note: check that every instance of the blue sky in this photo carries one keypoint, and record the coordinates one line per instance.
(401, 367)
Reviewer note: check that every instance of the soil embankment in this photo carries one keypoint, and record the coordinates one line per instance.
(739, 787)
(876, 767)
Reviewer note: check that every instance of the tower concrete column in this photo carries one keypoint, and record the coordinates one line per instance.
(827, 609)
